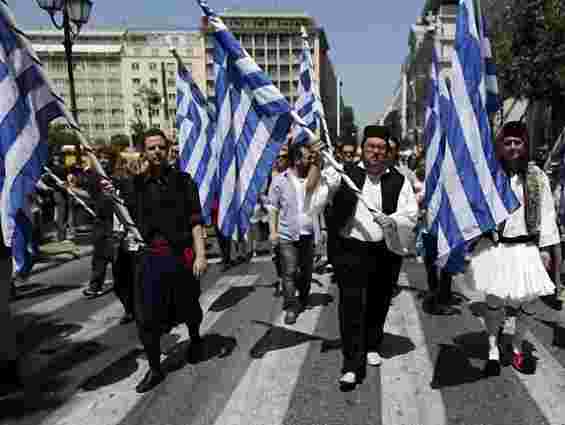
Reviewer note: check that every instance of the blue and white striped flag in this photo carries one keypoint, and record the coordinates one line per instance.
(253, 121)
(477, 196)
(307, 105)
(491, 83)
(27, 106)
(196, 128)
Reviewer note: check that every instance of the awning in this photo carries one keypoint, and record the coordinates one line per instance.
(78, 48)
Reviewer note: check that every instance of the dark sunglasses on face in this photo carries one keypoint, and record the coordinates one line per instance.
(156, 147)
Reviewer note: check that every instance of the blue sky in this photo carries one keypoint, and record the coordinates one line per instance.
(368, 38)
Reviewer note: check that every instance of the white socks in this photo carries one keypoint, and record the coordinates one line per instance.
(493, 352)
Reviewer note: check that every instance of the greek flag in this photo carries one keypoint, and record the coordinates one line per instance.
(307, 106)
(27, 105)
(491, 84)
(253, 120)
(196, 128)
(477, 196)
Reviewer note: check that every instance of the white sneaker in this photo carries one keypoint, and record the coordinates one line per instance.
(374, 358)
(348, 378)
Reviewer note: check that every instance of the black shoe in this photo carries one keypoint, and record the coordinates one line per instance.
(290, 317)
(11, 383)
(126, 318)
(395, 291)
(151, 379)
(443, 310)
(93, 291)
(195, 350)
(492, 368)
(348, 382)
(226, 265)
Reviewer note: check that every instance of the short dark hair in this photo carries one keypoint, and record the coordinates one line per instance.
(295, 152)
(152, 132)
(382, 132)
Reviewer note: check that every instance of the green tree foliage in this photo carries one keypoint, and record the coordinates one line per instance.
(120, 141)
(60, 135)
(529, 43)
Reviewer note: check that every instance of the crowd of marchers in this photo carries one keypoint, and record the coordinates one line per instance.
(311, 219)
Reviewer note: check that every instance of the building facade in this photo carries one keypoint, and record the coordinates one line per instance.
(110, 68)
(274, 40)
(128, 75)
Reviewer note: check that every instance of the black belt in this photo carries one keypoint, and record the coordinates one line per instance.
(522, 239)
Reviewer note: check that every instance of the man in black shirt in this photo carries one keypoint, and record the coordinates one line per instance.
(165, 205)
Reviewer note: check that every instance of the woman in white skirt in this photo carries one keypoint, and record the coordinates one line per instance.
(511, 266)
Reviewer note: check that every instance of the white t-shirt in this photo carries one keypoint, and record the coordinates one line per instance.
(305, 223)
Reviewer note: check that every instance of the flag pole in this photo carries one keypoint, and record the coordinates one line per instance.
(61, 185)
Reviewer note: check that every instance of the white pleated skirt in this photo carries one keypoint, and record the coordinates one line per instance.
(513, 272)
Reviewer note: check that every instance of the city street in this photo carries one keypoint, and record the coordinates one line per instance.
(82, 366)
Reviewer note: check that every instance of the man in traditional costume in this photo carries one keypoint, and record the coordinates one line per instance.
(164, 204)
(366, 268)
(511, 265)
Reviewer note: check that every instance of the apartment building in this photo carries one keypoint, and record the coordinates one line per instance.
(110, 68)
(273, 39)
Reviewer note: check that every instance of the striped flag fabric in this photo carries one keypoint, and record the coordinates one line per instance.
(492, 99)
(27, 106)
(307, 105)
(196, 128)
(253, 119)
(477, 196)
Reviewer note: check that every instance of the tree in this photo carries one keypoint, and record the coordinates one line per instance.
(149, 99)
(120, 141)
(60, 135)
(138, 128)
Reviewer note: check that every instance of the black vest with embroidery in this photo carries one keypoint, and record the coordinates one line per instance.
(345, 200)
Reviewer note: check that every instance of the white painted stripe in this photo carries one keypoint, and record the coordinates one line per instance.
(407, 397)
(264, 393)
(54, 303)
(110, 404)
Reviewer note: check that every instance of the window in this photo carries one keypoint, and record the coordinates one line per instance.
(99, 126)
(152, 66)
(135, 66)
(138, 112)
(153, 81)
(171, 82)
(117, 112)
(136, 81)
(172, 97)
(171, 65)
(172, 112)
(154, 112)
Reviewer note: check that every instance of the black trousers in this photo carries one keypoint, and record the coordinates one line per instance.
(366, 273)
(225, 246)
(440, 287)
(123, 270)
(103, 253)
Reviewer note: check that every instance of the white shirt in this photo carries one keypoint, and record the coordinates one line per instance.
(516, 223)
(362, 226)
(305, 222)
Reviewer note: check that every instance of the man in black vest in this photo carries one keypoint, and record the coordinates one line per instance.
(366, 269)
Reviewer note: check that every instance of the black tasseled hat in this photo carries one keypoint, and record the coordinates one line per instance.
(379, 131)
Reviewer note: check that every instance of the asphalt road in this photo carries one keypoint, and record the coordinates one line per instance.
(81, 366)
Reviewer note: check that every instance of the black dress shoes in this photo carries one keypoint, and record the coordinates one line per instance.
(492, 368)
(151, 379)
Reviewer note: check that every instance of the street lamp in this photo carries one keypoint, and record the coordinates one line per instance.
(77, 13)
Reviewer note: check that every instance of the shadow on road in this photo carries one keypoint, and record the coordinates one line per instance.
(231, 298)
(117, 371)
(36, 290)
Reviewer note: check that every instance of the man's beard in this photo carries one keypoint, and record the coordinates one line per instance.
(515, 166)
(379, 167)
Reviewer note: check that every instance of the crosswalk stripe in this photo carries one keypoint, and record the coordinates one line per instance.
(547, 386)
(407, 397)
(112, 404)
(264, 393)
(53, 303)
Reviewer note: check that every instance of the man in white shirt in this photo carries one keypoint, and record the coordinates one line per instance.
(365, 267)
(293, 229)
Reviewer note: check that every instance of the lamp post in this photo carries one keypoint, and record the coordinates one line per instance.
(75, 13)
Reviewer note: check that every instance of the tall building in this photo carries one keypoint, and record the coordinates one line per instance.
(110, 68)
(436, 27)
(128, 75)
(273, 39)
